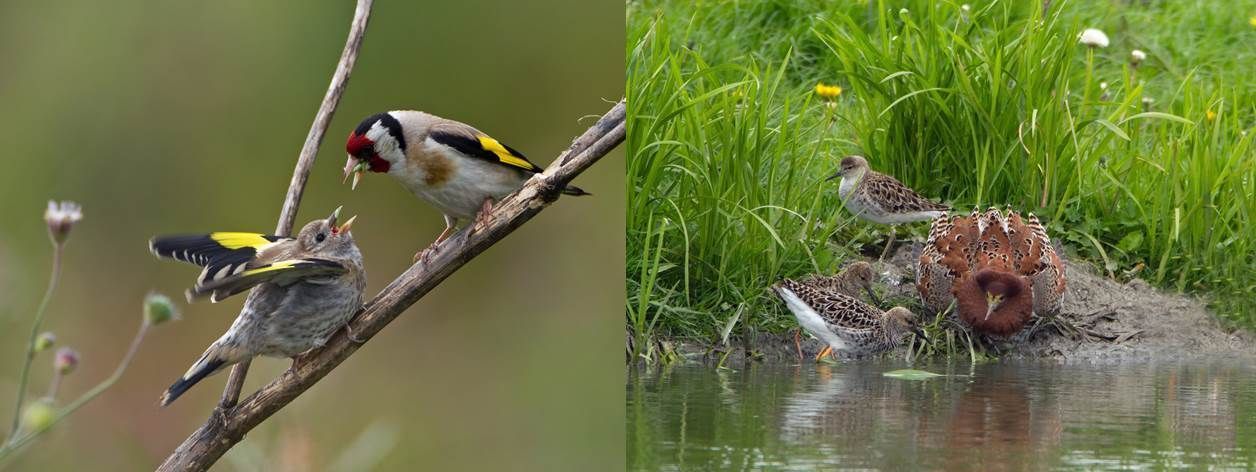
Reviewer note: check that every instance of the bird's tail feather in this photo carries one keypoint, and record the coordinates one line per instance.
(210, 362)
(574, 191)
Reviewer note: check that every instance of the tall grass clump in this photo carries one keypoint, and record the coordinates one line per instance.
(1145, 169)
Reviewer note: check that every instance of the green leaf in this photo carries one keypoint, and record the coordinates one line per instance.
(1131, 242)
(1159, 116)
(1114, 128)
(911, 374)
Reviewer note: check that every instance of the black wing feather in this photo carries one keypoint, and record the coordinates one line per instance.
(204, 251)
(471, 146)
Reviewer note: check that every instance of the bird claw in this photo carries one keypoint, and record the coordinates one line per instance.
(483, 216)
(351, 337)
(425, 255)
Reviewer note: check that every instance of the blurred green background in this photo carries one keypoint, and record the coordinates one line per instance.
(163, 117)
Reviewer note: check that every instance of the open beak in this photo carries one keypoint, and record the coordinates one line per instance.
(342, 229)
(355, 167)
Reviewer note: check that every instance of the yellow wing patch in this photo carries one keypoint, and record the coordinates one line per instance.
(281, 265)
(504, 155)
(240, 240)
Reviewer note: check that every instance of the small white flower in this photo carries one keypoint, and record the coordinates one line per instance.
(902, 12)
(1137, 57)
(1103, 85)
(965, 7)
(60, 218)
(1093, 38)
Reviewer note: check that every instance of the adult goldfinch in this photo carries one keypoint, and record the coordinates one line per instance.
(451, 165)
(307, 288)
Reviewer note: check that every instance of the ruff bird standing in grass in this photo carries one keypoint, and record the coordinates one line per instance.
(879, 198)
(843, 322)
(307, 288)
(451, 165)
(998, 268)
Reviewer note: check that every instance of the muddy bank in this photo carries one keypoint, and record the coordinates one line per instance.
(1104, 321)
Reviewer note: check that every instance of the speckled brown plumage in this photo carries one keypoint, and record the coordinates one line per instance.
(855, 280)
(959, 248)
(880, 198)
(844, 322)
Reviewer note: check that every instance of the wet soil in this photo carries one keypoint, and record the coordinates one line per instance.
(1103, 320)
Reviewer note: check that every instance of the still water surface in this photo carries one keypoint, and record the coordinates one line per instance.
(1001, 416)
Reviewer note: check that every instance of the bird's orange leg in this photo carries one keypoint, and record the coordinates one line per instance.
(798, 342)
(826, 350)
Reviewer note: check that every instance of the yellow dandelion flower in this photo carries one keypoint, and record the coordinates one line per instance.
(828, 92)
(1211, 115)
(1252, 21)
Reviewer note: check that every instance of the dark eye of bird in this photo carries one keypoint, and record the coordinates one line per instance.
(320, 237)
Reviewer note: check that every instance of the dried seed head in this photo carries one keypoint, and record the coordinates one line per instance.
(1093, 38)
(1137, 57)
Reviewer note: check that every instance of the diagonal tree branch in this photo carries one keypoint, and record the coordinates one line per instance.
(305, 162)
(200, 450)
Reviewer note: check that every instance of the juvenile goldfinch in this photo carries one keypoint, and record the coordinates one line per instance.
(451, 165)
(307, 288)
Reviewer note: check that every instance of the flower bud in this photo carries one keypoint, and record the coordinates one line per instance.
(65, 361)
(44, 342)
(60, 218)
(38, 416)
(159, 309)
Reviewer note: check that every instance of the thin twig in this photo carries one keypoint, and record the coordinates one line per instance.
(305, 163)
(57, 248)
(27, 436)
(200, 450)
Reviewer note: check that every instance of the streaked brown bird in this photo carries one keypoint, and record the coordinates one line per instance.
(882, 199)
(306, 288)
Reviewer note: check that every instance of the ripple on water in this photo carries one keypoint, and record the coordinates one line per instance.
(995, 416)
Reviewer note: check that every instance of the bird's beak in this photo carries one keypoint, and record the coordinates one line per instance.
(920, 333)
(873, 296)
(355, 167)
(331, 220)
(344, 228)
(992, 303)
(834, 176)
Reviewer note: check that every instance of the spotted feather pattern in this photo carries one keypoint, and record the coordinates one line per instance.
(960, 246)
(893, 197)
(864, 327)
(849, 281)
